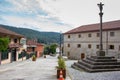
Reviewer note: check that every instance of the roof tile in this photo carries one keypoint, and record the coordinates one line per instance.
(8, 32)
(112, 25)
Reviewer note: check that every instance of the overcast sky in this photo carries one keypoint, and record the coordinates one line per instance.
(56, 15)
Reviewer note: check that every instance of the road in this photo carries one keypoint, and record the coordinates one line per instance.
(41, 69)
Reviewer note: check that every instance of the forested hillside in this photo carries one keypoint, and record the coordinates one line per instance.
(42, 37)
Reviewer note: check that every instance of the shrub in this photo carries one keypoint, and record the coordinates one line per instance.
(61, 63)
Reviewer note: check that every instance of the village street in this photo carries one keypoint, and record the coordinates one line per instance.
(41, 69)
(44, 69)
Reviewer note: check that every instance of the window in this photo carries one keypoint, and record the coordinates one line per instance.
(98, 34)
(79, 35)
(89, 45)
(33, 49)
(89, 35)
(68, 36)
(15, 40)
(79, 45)
(68, 45)
(97, 46)
(112, 34)
(111, 46)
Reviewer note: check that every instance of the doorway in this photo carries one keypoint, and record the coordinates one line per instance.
(82, 55)
(13, 55)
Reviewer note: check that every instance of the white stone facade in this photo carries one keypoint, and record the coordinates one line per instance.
(77, 43)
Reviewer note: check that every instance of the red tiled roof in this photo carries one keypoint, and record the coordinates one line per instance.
(15, 45)
(112, 25)
(31, 42)
(39, 44)
(8, 32)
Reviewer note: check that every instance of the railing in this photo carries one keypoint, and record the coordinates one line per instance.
(22, 54)
(30, 55)
(4, 55)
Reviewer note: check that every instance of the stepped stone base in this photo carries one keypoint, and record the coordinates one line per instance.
(98, 64)
(100, 53)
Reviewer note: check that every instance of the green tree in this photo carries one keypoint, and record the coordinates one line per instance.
(50, 49)
(46, 50)
(3, 45)
(53, 48)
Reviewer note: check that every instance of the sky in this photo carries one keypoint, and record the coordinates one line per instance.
(56, 15)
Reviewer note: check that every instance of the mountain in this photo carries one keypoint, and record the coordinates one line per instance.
(42, 37)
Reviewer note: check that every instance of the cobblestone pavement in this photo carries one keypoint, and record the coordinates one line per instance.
(42, 69)
(81, 75)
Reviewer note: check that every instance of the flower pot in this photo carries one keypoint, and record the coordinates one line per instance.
(63, 73)
(33, 59)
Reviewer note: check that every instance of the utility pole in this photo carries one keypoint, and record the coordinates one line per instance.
(60, 45)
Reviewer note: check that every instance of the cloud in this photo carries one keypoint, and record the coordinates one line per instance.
(81, 12)
(40, 25)
(55, 15)
(31, 14)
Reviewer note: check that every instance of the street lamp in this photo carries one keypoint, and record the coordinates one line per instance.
(60, 45)
(101, 52)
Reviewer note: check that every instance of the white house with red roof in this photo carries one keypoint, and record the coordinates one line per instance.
(14, 48)
(85, 40)
(19, 47)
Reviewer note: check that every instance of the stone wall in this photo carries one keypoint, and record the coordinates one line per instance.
(74, 52)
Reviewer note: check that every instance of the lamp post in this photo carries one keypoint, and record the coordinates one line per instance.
(60, 45)
(101, 52)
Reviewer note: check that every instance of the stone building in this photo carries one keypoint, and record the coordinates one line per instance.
(85, 40)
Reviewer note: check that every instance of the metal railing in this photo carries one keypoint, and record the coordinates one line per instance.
(4, 55)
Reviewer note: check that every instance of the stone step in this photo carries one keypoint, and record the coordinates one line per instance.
(102, 63)
(76, 67)
(101, 60)
(102, 57)
(79, 67)
(97, 66)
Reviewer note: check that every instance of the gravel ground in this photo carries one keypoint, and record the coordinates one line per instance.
(82, 75)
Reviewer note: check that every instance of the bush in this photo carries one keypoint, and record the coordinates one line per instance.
(61, 63)
(34, 58)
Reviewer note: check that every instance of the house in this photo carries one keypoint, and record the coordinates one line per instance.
(86, 39)
(33, 47)
(14, 47)
(39, 49)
